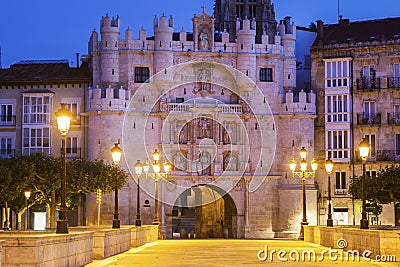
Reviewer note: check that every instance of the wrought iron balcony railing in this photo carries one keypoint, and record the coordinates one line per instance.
(393, 118)
(368, 118)
(388, 155)
(393, 82)
(368, 84)
(340, 191)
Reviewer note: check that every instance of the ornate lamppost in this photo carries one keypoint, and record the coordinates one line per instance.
(139, 168)
(116, 153)
(63, 123)
(363, 147)
(303, 174)
(158, 174)
(27, 196)
(329, 168)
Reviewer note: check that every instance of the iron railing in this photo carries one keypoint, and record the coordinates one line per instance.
(368, 118)
(393, 82)
(369, 84)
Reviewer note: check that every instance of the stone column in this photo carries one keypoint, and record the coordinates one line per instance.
(246, 202)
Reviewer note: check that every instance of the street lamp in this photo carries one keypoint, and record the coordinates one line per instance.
(363, 147)
(27, 196)
(116, 153)
(158, 174)
(63, 122)
(329, 168)
(139, 168)
(303, 174)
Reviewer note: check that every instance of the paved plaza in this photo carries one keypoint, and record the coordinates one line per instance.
(230, 252)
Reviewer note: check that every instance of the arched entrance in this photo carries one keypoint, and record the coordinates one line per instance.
(205, 211)
(397, 214)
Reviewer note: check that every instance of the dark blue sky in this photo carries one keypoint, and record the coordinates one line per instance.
(53, 29)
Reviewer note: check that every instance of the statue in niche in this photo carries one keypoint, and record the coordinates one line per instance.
(203, 40)
(228, 134)
(181, 131)
(230, 162)
(204, 165)
(204, 128)
(179, 162)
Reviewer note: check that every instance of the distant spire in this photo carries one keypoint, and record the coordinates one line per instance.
(204, 8)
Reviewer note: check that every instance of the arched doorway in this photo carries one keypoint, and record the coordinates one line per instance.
(205, 211)
(397, 214)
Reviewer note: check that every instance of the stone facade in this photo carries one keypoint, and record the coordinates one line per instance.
(355, 72)
(223, 113)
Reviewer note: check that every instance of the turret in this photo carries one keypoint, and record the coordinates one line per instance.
(163, 31)
(182, 35)
(128, 34)
(287, 32)
(246, 43)
(109, 58)
(142, 34)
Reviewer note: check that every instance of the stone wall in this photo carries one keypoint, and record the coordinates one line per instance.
(379, 242)
(44, 249)
(107, 241)
(143, 235)
(1, 250)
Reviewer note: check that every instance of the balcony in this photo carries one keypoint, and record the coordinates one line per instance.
(7, 121)
(393, 82)
(388, 155)
(7, 153)
(393, 118)
(185, 107)
(340, 191)
(369, 118)
(369, 84)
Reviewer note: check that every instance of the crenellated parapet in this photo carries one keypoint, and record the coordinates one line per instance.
(109, 25)
(303, 103)
(108, 98)
(286, 29)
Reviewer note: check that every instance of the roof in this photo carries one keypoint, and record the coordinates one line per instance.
(44, 72)
(361, 31)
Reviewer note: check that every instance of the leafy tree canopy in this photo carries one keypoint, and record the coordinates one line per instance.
(384, 188)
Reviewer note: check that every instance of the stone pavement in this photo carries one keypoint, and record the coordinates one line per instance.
(230, 252)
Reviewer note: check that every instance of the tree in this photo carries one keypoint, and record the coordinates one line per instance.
(84, 176)
(387, 185)
(383, 188)
(42, 174)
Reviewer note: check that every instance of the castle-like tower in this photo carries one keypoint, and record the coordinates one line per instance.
(226, 12)
(223, 113)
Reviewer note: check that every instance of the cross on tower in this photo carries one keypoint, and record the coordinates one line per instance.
(204, 8)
